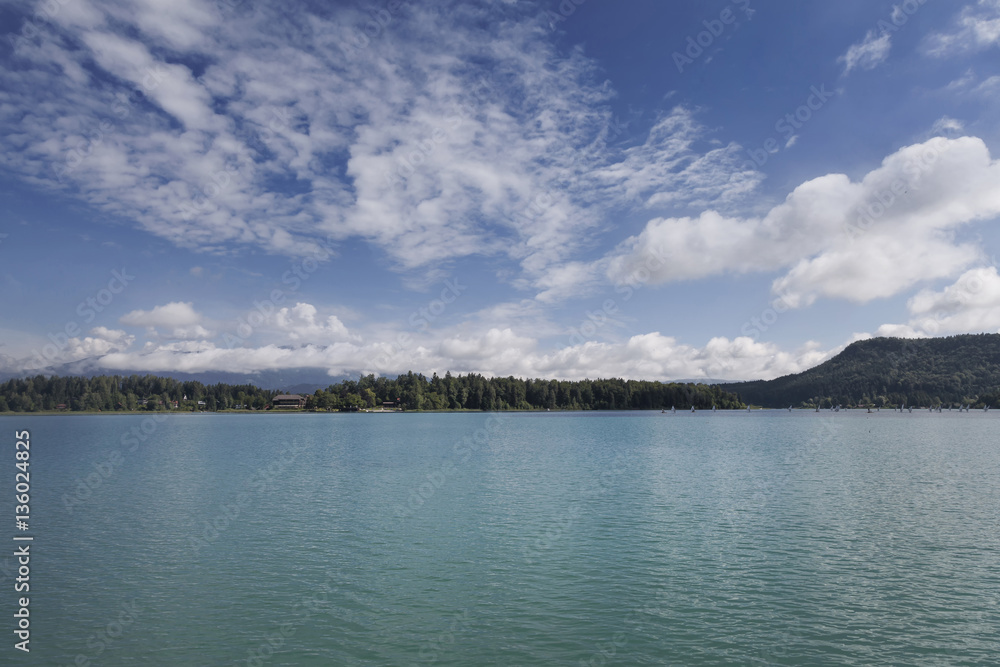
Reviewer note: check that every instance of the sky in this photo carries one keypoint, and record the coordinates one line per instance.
(577, 189)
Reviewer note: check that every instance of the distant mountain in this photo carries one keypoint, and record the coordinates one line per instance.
(891, 371)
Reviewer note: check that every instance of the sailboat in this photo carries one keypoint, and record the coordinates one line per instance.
(673, 410)
(789, 408)
(692, 409)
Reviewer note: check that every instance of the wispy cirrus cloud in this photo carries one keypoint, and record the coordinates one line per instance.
(221, 130)
(977, 27)
(867, 54)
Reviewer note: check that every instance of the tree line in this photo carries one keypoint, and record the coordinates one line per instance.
(110, 393)
(412, 391)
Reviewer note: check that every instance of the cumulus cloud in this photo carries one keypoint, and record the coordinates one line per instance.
(970, 305)
(836, 237)
(651, 356)
(300, 324)
(176, 319)
(871, 52)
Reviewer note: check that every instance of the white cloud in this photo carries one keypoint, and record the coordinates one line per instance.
(494, 352)
(970, 305)
(947, 126)
(977, 27)
(837, 238)
(400, 143)
(299, 324)
(176, 320)
(867, 54)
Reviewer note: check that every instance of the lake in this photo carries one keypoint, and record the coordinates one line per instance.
(760, 538)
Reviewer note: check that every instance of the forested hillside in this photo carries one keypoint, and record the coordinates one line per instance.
(891, 371)
(411, 392)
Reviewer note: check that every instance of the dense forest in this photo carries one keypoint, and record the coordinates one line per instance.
(410, 391)
(890, 372)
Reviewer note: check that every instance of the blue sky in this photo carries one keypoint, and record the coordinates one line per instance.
(651, 190)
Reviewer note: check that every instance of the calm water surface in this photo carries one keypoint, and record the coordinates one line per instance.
(523, 539)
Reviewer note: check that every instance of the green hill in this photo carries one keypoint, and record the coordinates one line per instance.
(891, 371)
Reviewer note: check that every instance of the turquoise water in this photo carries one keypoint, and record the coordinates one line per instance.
(522, 539)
